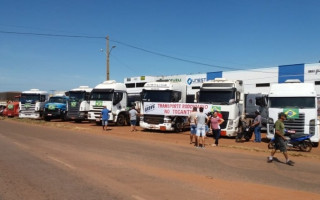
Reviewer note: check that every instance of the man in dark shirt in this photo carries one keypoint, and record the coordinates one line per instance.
(279, 139)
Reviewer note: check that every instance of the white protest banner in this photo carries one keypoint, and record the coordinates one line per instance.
(177, 109)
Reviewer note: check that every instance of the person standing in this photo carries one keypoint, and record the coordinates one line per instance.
(201, 124)
(279, 139)
(193, 126)
(104, 117)
(133, 118)
(257, 127)
(215, 122)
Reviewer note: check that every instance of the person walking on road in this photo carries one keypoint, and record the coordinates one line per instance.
(133, 118)
(104, 117)
(215, 122)
(279, 139)
(257, 127)
(193, 126)
(201, 124)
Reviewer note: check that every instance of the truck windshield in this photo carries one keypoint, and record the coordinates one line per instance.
(216, 96)
(296, 102)
(57, 100)
(103, 96)
(29, 98)
(160, 96)
(76, 96)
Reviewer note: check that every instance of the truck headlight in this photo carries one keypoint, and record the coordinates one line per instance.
(312, 126)
(167, 120)
(230, 124)
(270, 121)
(312, 122)
(141, 118)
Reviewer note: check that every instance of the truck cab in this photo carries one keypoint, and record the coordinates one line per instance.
(79, 103)
(55, 108)
(13, 107)
(114, 96)
(162, 91)
(227, 97)
(32, 103)
(299, 102)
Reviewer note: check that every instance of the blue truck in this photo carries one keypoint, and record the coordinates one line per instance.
(56, 108)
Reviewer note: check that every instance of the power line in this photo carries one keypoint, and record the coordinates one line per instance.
(52, 35)
(182, 59)
(134, 47)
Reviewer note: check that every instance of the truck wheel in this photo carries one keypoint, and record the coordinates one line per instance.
(121, 121)
(306, 146)
(64, 117)
(179, 127)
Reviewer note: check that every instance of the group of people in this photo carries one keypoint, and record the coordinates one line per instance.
(200, 125)
(133, 113)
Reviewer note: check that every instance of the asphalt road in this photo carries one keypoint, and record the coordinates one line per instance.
(50, 163)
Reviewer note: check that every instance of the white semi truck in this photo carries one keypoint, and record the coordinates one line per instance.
(227, 97)
(299, 102)
(163, 91)
(32, 103)
(114, 96)
(78, 104)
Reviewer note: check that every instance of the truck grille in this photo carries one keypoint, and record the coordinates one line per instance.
(28, 109)
(73, 111)
(54, 112)
(96, 110)
(296, 124)
(153, 119)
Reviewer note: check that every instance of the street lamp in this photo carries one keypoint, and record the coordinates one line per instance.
(108, 55)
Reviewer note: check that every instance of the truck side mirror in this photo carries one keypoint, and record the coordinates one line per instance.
(196, 98)
(237, 96)
(117, 97)
(42, 98)
(260, 101)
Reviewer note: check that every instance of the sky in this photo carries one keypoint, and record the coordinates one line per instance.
(60, 44)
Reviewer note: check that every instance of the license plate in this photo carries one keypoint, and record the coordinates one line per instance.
(49, 114)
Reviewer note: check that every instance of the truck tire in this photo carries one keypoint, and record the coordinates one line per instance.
(179, 125)
(306, 146)
(63, 117)
(121, 121)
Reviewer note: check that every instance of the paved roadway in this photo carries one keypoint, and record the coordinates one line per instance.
(49, 163)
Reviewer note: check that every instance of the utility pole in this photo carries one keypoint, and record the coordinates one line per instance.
(107, 53)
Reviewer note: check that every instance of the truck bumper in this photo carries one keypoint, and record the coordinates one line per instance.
(80, 116)
(229, 133)
(30, 116)
(161, 127)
